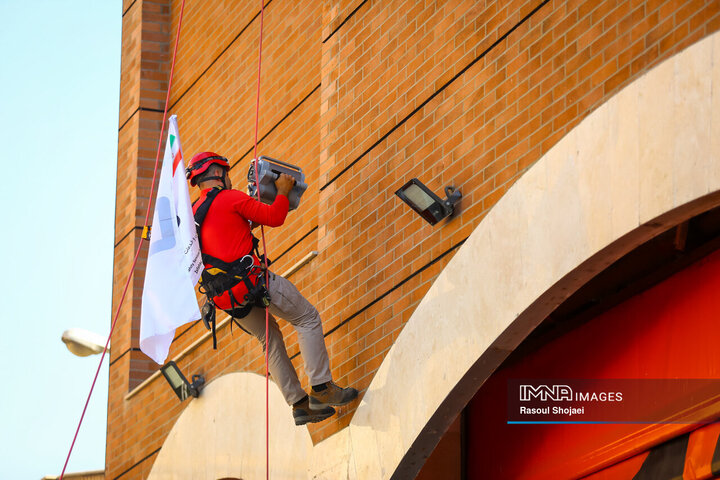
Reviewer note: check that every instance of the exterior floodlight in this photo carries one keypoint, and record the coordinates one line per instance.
(182, 388)
(431, 207)
(83, 343)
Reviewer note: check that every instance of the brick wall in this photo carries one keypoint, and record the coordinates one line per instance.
(364, 95)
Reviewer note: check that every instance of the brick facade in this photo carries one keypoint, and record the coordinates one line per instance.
(363, 95)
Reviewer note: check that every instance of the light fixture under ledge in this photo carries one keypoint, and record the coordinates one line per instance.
(83, 342)
(182, 388)
(431, 207)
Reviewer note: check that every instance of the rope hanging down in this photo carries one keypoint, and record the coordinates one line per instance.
(137, 253)
(265, 253)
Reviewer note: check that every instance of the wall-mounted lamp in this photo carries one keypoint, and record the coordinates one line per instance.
(182, 388)
(83, 343)
(431, 207)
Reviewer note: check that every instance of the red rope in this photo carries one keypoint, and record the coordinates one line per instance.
(262, 232)
(137, 253)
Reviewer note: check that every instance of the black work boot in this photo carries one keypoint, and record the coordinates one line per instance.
(302, 413)
(331, 395)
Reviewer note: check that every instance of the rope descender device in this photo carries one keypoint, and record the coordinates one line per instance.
(146, 233)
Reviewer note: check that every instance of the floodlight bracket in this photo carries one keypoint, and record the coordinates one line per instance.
(198, 381)
(453, 196)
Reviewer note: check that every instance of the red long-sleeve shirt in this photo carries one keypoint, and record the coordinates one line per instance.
(226, 234)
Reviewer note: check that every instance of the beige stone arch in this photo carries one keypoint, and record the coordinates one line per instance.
(647, 159)
(221, 434)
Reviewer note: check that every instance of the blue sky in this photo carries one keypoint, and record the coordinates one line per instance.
(59, 87)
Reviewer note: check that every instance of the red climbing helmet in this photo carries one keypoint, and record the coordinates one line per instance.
(201, 162)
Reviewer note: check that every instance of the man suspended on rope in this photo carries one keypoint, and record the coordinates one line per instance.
(230, 249)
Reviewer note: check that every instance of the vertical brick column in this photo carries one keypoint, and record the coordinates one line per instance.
(145, 69)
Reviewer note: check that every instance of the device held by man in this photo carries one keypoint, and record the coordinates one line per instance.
(269, 170)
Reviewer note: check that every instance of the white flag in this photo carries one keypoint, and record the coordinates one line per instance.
(174, 263)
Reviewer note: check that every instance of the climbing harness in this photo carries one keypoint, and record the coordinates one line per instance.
(219, 276)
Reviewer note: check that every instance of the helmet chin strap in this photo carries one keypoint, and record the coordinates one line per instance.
(216, 177)
(222, 178)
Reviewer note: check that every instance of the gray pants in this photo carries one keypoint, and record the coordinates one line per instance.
(289, 304)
